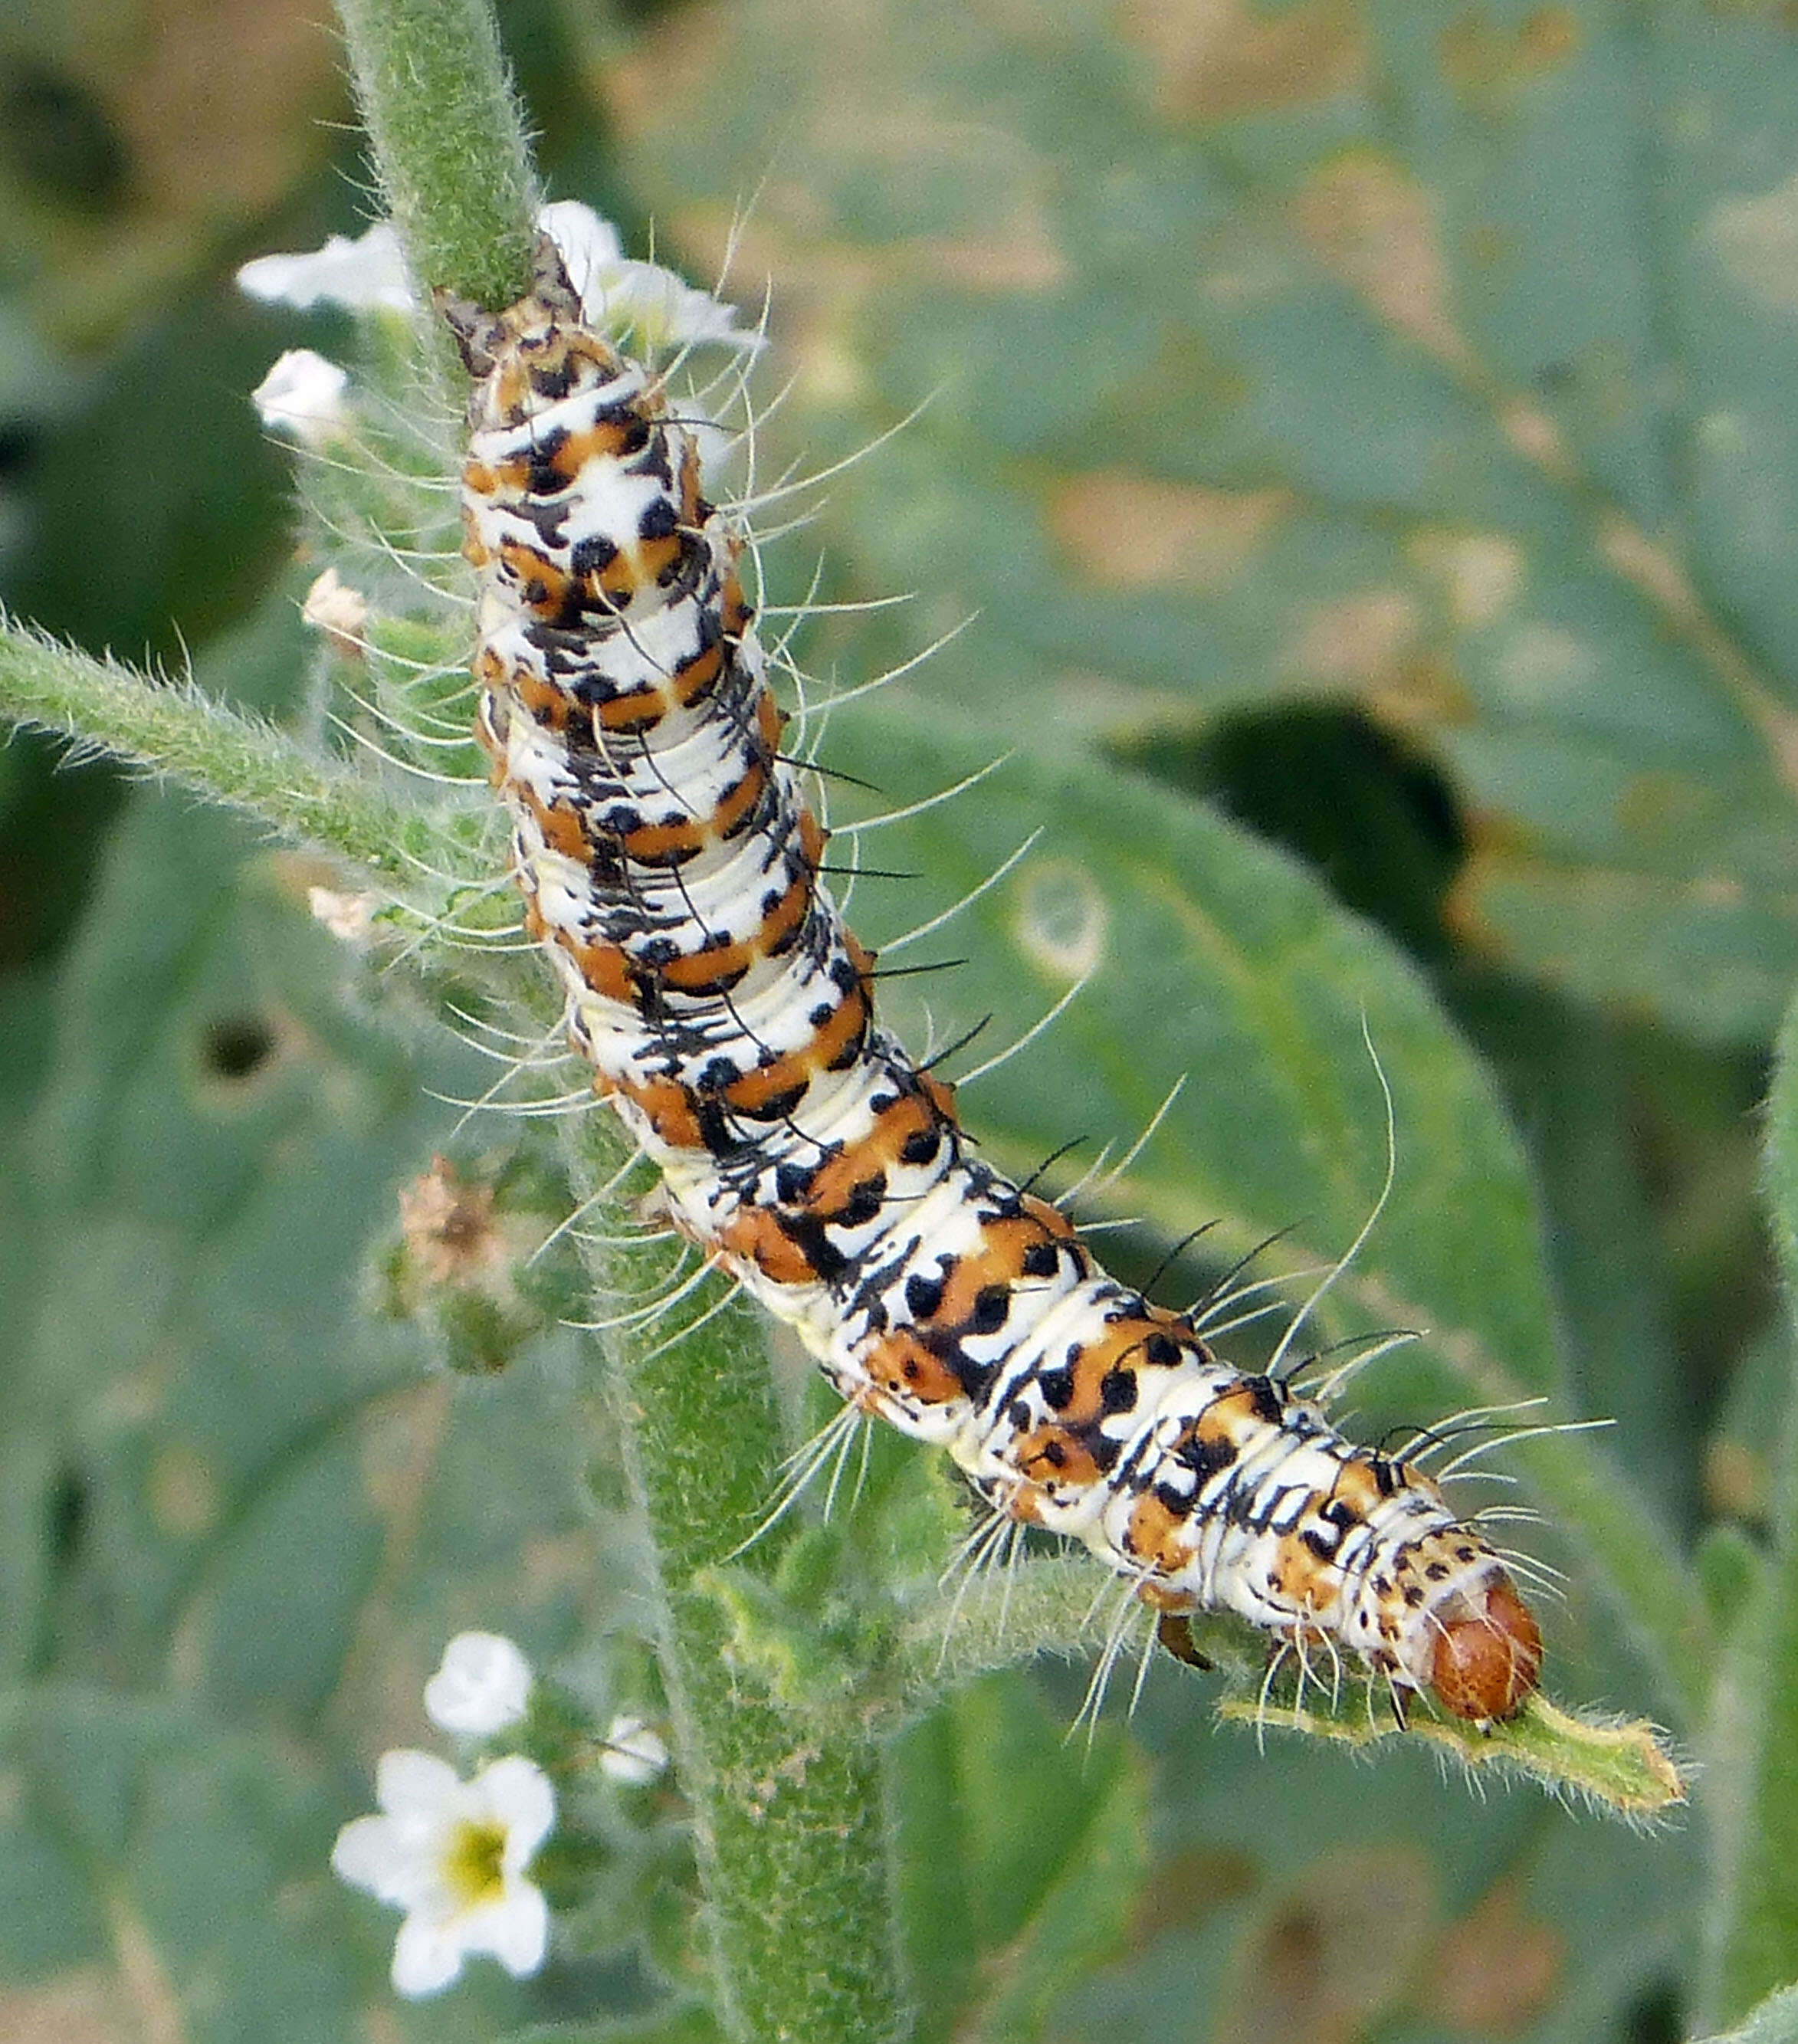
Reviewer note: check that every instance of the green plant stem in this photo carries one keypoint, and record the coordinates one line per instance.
(241, 761)
(1753, 1786)
(448, 142)
(788, 1809)
(789, 1820)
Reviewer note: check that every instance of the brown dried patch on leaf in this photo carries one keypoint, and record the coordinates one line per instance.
(1184, 1889)
(1133, 531)
(1374, 229)
(182, 1493)
(1736, 1482)
(1496, 1970)
(448, 1224)
(1358, 642)
(81, 2007)
(1482, 57)
(1216, 58)
(670, 69)
(218, 107)
(1481, 572)
(1335, 1951)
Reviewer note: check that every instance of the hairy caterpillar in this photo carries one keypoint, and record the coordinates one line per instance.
(670, 868)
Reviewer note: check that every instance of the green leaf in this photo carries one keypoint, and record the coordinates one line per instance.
(232, 1477)
(165, 1877)
(1320, 355)
(1019, 1863)
(1775, 2021)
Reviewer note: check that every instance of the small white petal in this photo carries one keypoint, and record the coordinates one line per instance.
(633, 1752)
(409, 1783)
(426, 1957)
(584, 241)
(659, 309)
(515, 1929)
(366, 1856)
(364, 274)
(482, 1686)
(516, 1793)
(302, 396)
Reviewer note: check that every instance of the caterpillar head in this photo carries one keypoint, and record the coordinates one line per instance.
(1488, 1654)
(484, 338)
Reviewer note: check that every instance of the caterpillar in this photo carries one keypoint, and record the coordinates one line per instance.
(670, 868)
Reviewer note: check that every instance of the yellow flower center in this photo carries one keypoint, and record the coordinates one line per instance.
(473, 1866)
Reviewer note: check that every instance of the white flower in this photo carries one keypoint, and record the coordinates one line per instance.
(363, 274)
(632, 1752)
(302, 396)
(482, 1687)
(657, 308)
(452, 1855)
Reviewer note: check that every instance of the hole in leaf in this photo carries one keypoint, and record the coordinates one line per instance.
(238, 1046)
(59, 138)
(1376, 819)
(66, 1518)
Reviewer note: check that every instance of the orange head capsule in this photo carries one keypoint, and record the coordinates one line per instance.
(1488, 1660)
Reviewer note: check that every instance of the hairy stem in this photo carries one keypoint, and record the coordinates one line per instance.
(448, 142)
(241, 761)
(788, 1810)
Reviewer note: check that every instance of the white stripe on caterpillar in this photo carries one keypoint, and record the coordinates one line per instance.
(669, 866)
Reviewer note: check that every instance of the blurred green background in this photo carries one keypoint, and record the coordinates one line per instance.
(1372, 421)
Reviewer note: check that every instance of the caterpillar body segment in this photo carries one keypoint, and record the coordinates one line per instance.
(669, 866)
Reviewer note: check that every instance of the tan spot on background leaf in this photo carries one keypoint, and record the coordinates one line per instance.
(1497, 1969)
(1481, 572)
(155, 2004)
(1535, 437)
(1424, 692)
(77, 2008)
(1359, 642)
(1482, 55)
(1061, 918)
(182, 1492)
(1755, 241)
(1540, 663)
(670, 66)
(1132, 531)
(1373, 228)
(1182, 1890)
(1020, 257)
(400, 1439)
(1339, 1948)
(220, 106)
(1213, 58)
